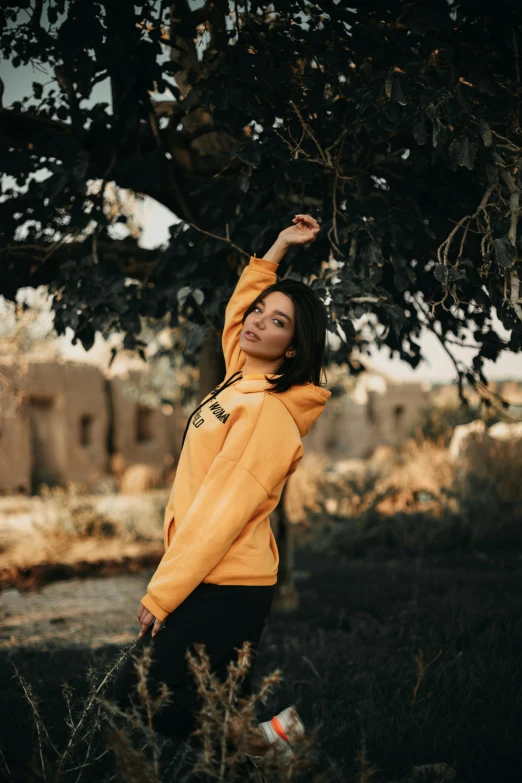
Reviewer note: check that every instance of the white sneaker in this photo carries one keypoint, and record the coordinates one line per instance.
(279, 733)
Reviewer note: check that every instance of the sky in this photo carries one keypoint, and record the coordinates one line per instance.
(156, 219)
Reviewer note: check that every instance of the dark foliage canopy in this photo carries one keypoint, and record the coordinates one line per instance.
(396, 124)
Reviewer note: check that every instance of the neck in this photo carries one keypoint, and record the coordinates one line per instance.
(254, 366)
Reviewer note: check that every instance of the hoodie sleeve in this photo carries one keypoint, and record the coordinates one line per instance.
(250, 466)
(257, 275)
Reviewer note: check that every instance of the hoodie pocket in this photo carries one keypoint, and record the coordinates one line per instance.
(166, 531)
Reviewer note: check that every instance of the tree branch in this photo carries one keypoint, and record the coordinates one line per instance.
(514, 209)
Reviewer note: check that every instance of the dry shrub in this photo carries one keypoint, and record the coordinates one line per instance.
(303, 488)
(420, 472)
(66, 518)
(415, 475)
(224, 724)
(54, 764)
(223, 750)
(137, 765)
(100, 726)
(494, 463)
(140, 478)
(401, 500)
(65, 514)
(414, 498)
(436, 422)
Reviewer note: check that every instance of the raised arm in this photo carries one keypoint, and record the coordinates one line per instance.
(256, 276)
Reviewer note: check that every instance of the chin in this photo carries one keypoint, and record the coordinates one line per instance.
(246, 347)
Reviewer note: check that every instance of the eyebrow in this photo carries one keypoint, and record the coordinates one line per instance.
(277, 312)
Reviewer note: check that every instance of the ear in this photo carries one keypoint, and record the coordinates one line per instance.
(290, 353)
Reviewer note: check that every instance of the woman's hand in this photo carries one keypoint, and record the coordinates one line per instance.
(146, 617)
(304, 231)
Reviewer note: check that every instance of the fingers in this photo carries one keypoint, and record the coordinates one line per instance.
(308, 226)
(146, 619)
(308, 220)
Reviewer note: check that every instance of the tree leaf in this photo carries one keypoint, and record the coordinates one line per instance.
(491, 171)
(198, 295)
(485, 132)
(397, 93)
(244, 179)
(183, 293)
(505, 252)
(419, 131)
(440, 272)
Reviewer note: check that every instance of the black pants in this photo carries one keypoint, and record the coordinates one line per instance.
(219, 616)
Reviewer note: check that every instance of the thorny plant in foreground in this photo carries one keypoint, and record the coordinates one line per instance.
(222, 708)
(82, 742)
(222, 751)
(224, 724)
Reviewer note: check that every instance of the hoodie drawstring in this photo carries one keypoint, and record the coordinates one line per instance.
(213, 394)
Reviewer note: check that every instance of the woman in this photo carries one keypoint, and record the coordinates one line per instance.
(216, 580)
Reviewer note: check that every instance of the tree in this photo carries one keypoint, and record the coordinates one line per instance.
(396, 124)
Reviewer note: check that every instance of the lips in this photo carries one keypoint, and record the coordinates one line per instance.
(252, 335)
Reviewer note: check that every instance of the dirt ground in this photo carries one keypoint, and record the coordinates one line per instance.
(90, 612)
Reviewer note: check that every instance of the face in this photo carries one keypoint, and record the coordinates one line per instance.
(273, 321)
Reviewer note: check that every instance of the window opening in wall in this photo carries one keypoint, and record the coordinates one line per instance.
(144, 423)
(398, 413)
(44, 422)
(86, 422)
(371, 407)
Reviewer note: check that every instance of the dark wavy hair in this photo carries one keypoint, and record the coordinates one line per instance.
(309, 336)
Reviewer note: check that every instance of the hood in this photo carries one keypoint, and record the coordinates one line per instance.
(305, 402)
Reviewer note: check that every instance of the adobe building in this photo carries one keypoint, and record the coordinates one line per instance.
(378, 411)
(140, 433)
(60, 422)
(61, 409)
(15, 444)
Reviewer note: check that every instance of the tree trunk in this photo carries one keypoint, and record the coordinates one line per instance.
(286, 597)
(211, 366)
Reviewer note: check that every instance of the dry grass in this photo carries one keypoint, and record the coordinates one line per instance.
(215, 752)
(64, 525)
(410, 499)
(497, 464)
(106, 744)
(69, 762)
(417, 473)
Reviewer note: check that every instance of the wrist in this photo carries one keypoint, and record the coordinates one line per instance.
(277, 251)
(282, 241)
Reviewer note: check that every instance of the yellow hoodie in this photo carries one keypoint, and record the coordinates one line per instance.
(240, 448)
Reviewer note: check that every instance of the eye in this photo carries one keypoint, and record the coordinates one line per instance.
(275, 319)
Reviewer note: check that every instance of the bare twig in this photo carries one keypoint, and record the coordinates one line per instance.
(40, 725)
(443, 250)
(222, 239)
